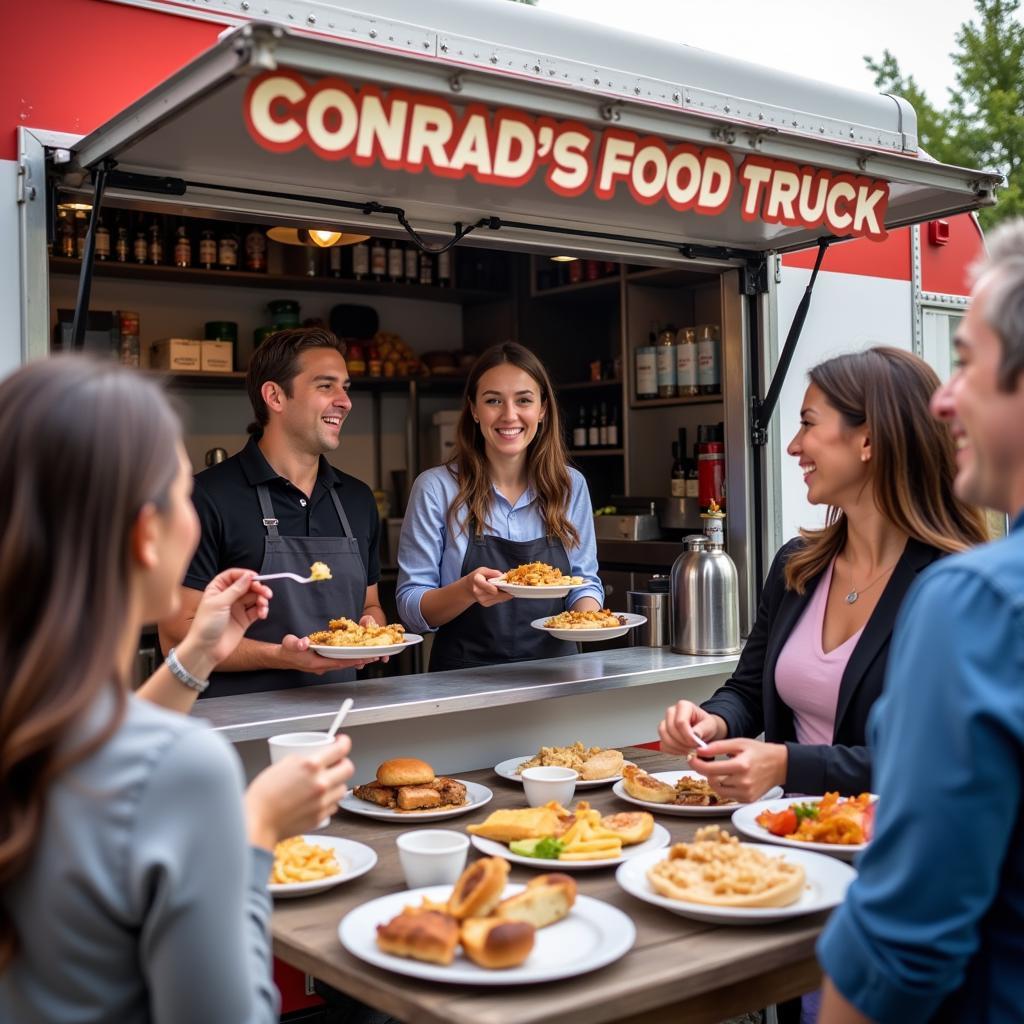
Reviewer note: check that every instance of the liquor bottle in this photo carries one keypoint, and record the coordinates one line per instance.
(312, 254)
(121, 245)
(594, 431)
(444, 269)
(412, 264)
(693, 477)
(579, 432)
(709, 364)
(677, 486)
(227, 249)
(396, 262)
(156, 244)
(140, 250)
(334, 255)
(207, 250)
(255, 250)
(81, 227)
(602, 430)
(102, 240)
(378, 260)
(360, 260)
(182, 247)
(613, 427)
(65, 235)
(426, 269)
(686, 361)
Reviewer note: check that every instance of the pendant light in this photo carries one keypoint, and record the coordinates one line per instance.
(319, 238)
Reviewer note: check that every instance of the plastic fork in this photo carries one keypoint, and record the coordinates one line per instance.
(284, 576)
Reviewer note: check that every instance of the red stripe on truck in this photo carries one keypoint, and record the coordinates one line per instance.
(889, 258)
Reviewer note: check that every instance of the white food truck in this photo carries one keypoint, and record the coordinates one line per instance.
(715, 189)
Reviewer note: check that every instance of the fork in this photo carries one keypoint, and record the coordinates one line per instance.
(284, 576)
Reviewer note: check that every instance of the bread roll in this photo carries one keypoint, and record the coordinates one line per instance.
(494, 943)
(405, 771)
(479, 888)
(545, 900)
(427, 935)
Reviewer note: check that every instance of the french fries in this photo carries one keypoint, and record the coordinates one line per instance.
(588, 839)
(295, 860)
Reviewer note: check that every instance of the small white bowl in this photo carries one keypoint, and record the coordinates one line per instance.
(432, 856)
(547, 783)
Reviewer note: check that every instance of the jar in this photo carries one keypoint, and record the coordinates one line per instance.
(355, 360)
(221, 330)
(709, 365)
(284, 313)
(207, 250)
(646, 372)
(686, 361)
(260, 335)
(665, 363)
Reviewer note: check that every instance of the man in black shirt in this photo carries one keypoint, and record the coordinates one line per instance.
(279, 506)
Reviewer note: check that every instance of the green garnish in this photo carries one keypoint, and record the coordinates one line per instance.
(547, 848)
(805, 811)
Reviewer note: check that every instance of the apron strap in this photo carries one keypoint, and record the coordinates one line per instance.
(346, 529)
(267, 507)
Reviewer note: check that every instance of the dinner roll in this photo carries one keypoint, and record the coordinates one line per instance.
(479, 888)
(405, 771)
(494, 943)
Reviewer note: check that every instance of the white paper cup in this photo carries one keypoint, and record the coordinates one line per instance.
(299, 743)
(545, 784)
(432, 856)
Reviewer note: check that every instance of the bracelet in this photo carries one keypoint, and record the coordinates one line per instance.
(182, 674)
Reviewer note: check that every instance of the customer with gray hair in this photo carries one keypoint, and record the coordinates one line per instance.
(933, 927)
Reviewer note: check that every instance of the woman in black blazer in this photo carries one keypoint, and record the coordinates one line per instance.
(871, 452)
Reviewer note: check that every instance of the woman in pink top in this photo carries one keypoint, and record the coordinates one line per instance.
(814, 663)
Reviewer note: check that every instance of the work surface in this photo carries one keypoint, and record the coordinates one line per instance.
(678, 970)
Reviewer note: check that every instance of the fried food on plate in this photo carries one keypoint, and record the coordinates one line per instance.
(545, 900)
(641, 786)
(588, 839)
(346, 633)
(479, 888)
(295, 860)
(632, 827)
(495, 943)
(717, 869)
(692, 792)
(505, 826)
(585, 620)
(540, 574)
(427, 935)
(409, 784)
(591, 762)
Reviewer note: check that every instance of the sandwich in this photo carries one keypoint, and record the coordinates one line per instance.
(409, 784)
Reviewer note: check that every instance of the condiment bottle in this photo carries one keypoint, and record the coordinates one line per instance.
(378, 259)
(227, 250)
(156, 244)
(709, 368)
(182, 248)
(207, 250)
(255, 250)
(686, 361)
(665, 362)
(102, 240)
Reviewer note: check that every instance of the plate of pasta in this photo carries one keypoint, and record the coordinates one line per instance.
(347, 640)
(304, 865)
(583, 626)
(537, 581)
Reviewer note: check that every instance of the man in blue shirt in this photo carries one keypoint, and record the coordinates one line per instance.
(933, 928)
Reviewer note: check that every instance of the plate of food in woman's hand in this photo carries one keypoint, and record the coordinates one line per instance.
(584, 626)
(536, 580)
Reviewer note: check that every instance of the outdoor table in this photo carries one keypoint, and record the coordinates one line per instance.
(677, 970)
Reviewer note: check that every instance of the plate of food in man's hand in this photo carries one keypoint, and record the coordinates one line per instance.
(406, 787)
(686, 794)
(346, 640)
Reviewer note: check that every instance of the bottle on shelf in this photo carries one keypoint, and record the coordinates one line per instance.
(396, 262)
(686, 362)
(182, 247)
(579, 432)
(613, 427)
(426, 269)
(594, 430)
(81, 227)
(121, 243)
(711, 466)
(677, 485)
(361, 260)
(312, 254)
(102, 240)
(444, 269)
(65, 235)
(412, 264)
(576, 271)
(207, 249)
(227, 249)
(646, 375)
(255, 250)
(378, 259)
(665, 362)
(155, 253)
(140, 250)
(602, 430)
(709, 363)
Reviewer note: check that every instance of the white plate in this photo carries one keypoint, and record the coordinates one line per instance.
(541, 592)
(593, 935)
(354, 858)
(745, 820)
(507, 770)
(657, 840)
(476, 794)
(681, 810)
(359, 653)
(825, 887)
(629, 621)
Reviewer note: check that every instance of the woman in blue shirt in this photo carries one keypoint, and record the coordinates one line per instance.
(504, 498)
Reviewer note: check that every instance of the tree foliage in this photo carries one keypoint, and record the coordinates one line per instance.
(982, 125)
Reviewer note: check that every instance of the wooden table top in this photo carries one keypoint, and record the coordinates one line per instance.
(678, 969)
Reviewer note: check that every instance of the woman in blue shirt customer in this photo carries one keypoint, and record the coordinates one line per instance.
(506, 497)
(133, 869)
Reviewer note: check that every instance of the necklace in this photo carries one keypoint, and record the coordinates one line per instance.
(855, 592)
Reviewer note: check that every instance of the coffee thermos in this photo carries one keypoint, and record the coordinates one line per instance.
(705, 600)
(654, 604)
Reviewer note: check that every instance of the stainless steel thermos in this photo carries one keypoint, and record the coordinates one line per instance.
(705, 600)
(655, 605)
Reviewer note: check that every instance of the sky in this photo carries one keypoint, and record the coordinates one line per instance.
(822, 39)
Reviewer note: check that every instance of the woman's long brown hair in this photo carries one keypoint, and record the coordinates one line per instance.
(913, 457)
(86, 445)
(546, 458)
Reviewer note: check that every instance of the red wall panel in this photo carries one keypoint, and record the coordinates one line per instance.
(944, 268)
(890, 258)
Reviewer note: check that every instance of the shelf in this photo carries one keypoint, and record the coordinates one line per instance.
(574, 289)
(236, 380)
(671, 277)
(660, 403)
(277, 282)
(201, 379)
(588, 385)
(580, 453)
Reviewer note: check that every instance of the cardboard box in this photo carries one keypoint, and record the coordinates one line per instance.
(218, 356)
(176, 354)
